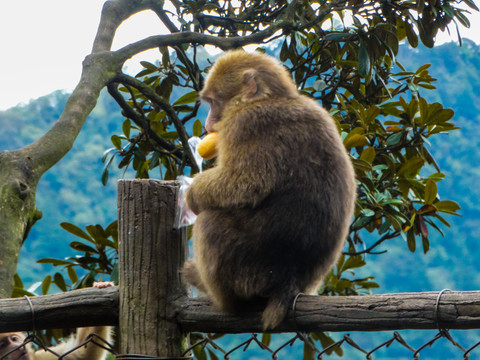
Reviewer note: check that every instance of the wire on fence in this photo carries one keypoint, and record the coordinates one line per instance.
(207, 345)
(30, 340)
(212, 347)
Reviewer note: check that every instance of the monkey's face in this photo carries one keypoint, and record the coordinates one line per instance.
(220, 92)
(215, 113)
(13, 342)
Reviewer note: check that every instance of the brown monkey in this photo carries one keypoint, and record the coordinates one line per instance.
(12, 343)
(274, 212)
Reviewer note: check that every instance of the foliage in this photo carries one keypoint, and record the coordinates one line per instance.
(350, 66)
(352, 70)
(97, 257)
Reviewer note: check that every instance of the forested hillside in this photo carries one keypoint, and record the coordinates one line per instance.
(72, 190)
(453, 259)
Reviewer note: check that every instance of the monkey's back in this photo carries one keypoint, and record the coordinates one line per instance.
(295, 232)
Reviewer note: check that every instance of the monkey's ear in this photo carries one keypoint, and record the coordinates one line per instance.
(250, 85)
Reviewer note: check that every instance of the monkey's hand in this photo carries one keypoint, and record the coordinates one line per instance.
(102, 284)
(202, 193)
(192, 202)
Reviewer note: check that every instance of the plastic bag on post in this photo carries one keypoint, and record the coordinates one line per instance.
(184, 216)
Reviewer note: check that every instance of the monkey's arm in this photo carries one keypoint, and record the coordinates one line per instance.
(217, 188)
(87, 352)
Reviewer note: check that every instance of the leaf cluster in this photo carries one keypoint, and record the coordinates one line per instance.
(97, 250)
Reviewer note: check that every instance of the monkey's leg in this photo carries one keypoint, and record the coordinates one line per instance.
(191, 275)
(222, 299)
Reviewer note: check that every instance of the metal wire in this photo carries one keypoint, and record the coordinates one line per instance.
(280, 346)
(346, 342)
(33, 312)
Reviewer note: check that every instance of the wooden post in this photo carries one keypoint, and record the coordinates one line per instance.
(151, 253)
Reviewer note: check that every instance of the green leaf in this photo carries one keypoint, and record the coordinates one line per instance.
(326, 341)
(105, 172)
(197, 128)
(362, 221)
(411, 166)
(437, 177)
(266, 338)
(18, 281)
(444, 115)
(19, 292)
(411, 241)
(46, 284)
(368, 285)
(116, 141)
(367, 212)
(126, 127)
(368, 154)
(75, 230)
(114, 274)
(355, 140)
(75, 245)
(361, 165)
(471, 4)
(144, 73)
(430, 192)
(199, 352)
(105, 175)
(54, 262)
(188, 98)
(447, 206)
(60, 282)
(148, 65)
(72, 274)
(363, 60)
(338, 36)
(425, 244)
(284, 51)
(353, 262)
(394, 138)
(154, 161)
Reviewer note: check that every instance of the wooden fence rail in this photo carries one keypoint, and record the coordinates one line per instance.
(88, 307)
(154, 312)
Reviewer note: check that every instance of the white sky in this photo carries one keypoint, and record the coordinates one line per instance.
(43, 43)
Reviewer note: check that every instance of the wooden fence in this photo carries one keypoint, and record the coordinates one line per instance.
(154, 312)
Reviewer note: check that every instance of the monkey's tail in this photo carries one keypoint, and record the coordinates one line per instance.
(277, 308)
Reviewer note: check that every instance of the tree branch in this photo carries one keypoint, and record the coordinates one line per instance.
(157, 99)
(114, 12)
(384, 238)
(140, 120)
(286, 21)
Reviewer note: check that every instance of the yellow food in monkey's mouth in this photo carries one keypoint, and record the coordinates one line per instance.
(208, 146)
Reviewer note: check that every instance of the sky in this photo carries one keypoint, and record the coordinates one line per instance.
(43, 44)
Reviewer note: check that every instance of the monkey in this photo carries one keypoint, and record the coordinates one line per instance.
(274, 212)
(13, 344)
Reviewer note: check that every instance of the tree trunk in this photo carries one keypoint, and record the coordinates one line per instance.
(21, 170)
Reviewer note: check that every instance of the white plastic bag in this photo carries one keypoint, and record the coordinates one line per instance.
(185, 216)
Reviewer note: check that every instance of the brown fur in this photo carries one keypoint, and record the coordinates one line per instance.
(273, 214)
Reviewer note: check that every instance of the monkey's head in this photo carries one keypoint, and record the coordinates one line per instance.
(13, 342)
(238, 77)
